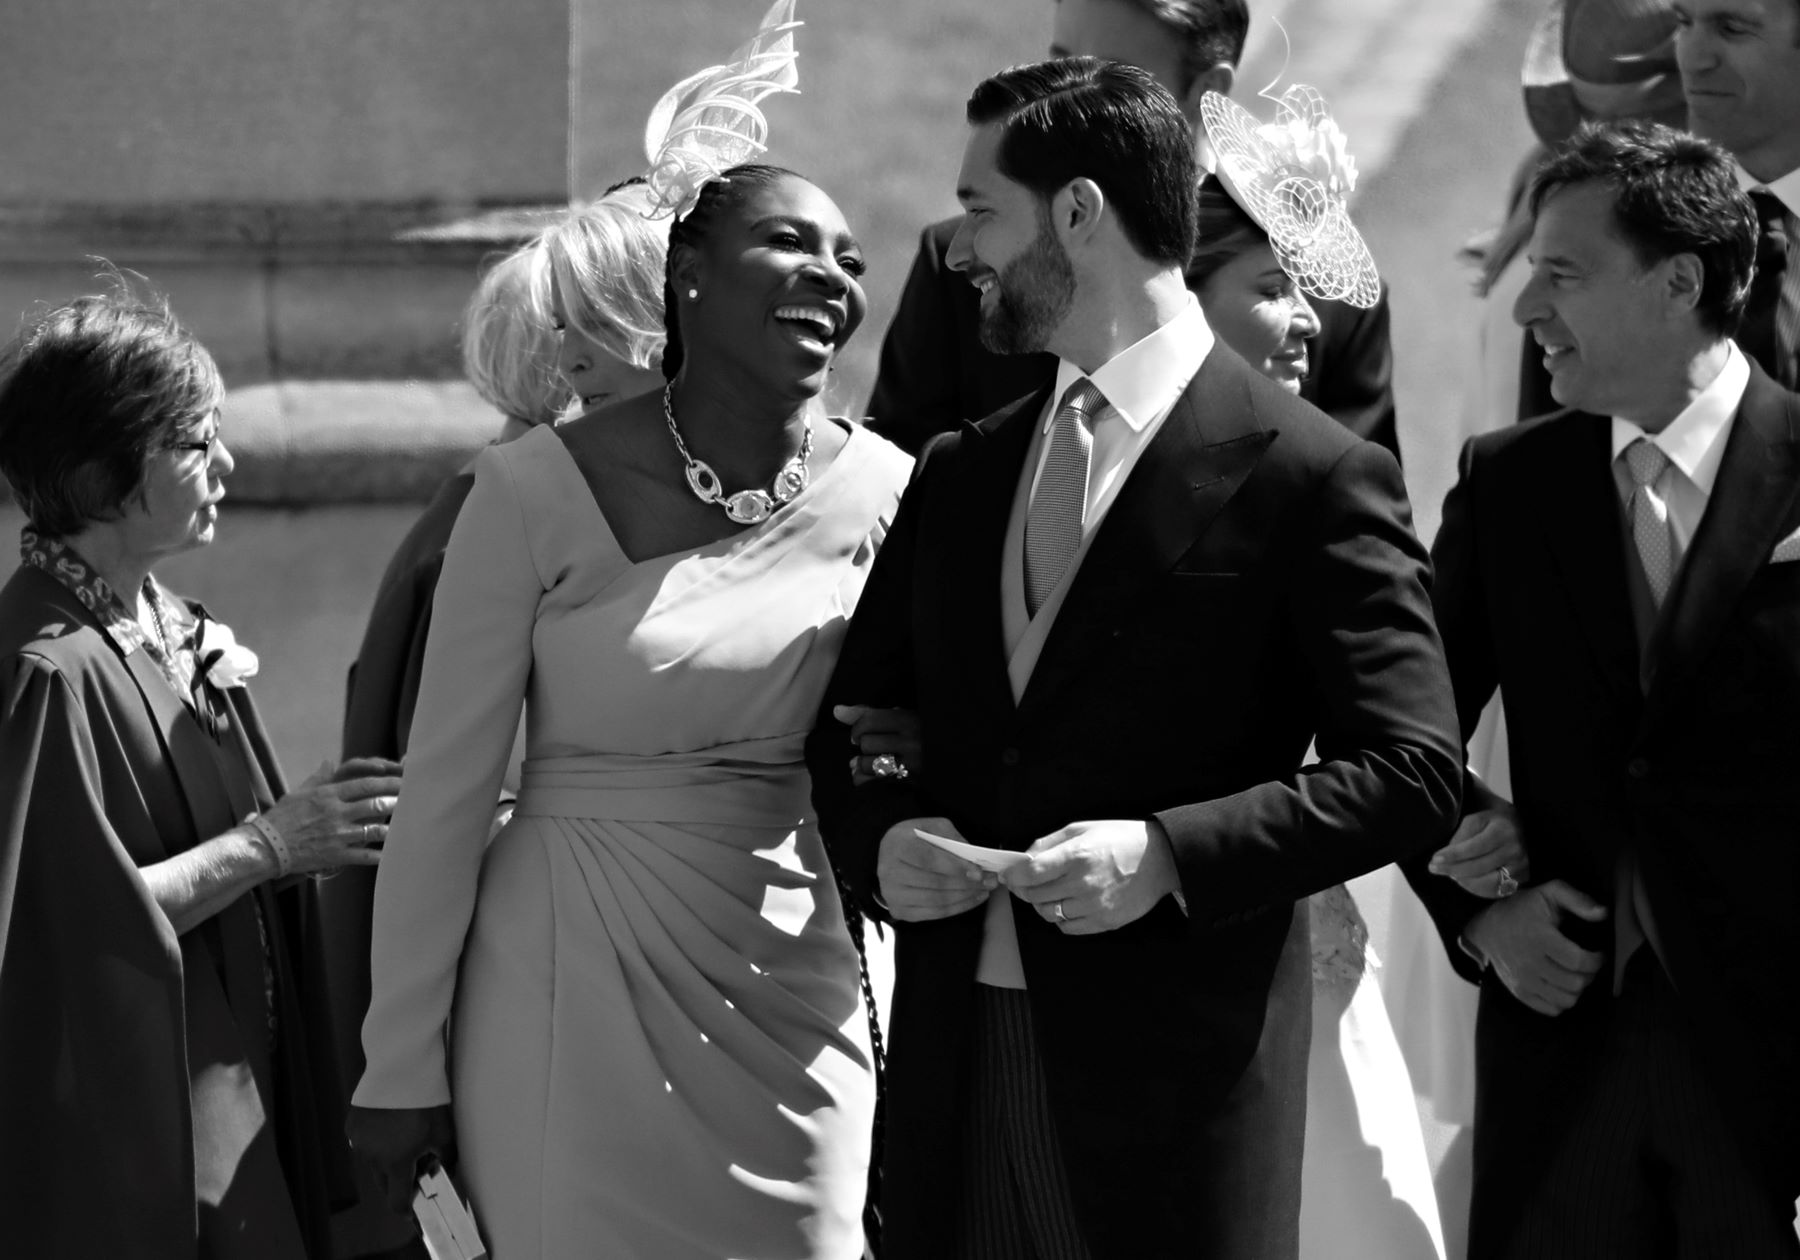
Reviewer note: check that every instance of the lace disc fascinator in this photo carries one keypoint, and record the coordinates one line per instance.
(710, 121)
(1294, 177)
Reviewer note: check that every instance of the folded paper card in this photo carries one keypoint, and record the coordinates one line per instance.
(445, 1220)
(995, 860)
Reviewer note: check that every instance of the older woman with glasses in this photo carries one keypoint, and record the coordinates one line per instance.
(165, 1088)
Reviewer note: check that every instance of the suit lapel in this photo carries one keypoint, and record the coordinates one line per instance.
(1752, 500)
(1584, 536)
(1194, 464)
(969, 573)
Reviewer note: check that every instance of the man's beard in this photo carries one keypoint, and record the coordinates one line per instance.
(1032, 295)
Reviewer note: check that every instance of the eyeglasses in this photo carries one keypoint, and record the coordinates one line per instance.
(203, 445)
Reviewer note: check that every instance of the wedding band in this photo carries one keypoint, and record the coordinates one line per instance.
(367, 833)
(1060, 916)
(888, 766)
(1507, 885)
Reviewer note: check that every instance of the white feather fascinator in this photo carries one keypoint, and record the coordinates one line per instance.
(1294, 176)
(710, 122)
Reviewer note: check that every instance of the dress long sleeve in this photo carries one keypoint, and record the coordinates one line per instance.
(477, 664)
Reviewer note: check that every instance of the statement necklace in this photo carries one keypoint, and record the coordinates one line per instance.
(746, 507)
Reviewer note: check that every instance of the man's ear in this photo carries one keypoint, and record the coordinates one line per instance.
(1217, 78)
(1076, 211)
(1683, 280)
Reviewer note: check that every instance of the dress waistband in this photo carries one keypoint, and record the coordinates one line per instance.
(702, 787)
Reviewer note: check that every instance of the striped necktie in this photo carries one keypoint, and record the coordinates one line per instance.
(1053, 524)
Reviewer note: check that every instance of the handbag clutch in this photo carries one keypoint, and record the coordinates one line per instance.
(445, 1219)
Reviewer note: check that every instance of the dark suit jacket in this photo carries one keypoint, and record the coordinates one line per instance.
(142, 1112)
(1696, 774)
(1256, 582)
(935, 374)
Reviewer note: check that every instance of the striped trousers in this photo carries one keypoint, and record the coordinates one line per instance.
(1015, 1201)
(1648, 1169)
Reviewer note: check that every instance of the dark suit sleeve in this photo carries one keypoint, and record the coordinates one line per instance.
(1353, 380)
(1386, 783)
(874, 668)
(1460, 605)
(915, 394)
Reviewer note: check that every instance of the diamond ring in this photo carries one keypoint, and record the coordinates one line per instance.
(888, 766)
(1507, 885)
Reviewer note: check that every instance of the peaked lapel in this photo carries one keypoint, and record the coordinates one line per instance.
(1584, 534)
(1752, 499)
(1204, 450)
(968, 571)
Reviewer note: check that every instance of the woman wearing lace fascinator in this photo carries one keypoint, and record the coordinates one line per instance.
(660, 1046)
(1274, 229)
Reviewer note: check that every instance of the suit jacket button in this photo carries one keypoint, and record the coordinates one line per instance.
(1638, 768)
(1010, 757)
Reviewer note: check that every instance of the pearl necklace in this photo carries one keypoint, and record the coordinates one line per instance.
(746, 507)
(160, 617)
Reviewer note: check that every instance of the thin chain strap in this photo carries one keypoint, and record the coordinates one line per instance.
(853, 920)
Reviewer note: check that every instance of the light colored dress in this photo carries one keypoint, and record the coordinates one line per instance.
(659, 1047)
(1365, 1181)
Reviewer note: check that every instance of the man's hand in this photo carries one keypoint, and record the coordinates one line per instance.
(1096, 876)
(919, 881)
(1522, 937)
(1486, 842)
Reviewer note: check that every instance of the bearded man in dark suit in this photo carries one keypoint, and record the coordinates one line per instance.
(1121, 608)
(935, 373)
(1627, 571)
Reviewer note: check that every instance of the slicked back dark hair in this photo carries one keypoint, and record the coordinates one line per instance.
(88, 393)
(724, 192)
(1209, 31)
(1673, 193)
(1083, 118)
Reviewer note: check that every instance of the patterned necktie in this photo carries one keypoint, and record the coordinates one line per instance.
(1771, 325)
(1053, 523)
(1646, 462)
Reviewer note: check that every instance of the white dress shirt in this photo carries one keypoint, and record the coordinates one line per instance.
(1141, 384)
(1695, 443)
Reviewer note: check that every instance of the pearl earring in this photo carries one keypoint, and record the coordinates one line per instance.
(693, 294)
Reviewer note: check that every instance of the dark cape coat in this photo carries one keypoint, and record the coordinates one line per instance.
(160, 1095)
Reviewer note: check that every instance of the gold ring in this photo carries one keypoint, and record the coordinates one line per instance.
(888, 766)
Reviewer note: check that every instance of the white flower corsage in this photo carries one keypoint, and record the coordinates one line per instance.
(224, 661)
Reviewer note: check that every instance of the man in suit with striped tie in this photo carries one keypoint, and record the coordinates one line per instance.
(1740, 72)
(1121, 608)
(1627, 570)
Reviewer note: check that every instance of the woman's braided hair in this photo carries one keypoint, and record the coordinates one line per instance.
(726, 191)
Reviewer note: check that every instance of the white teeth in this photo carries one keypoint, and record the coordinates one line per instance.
(820, 319)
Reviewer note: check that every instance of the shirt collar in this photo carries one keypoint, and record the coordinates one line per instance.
(1693, 440)
(1143, 380)
(1786, 189)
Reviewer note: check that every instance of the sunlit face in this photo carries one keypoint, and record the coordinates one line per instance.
(1593, 307)
(176, 509)
(1007, 249)
(1118, 31)
(1740, 71)
(1256, 308)
(780, 284)
(595, 374)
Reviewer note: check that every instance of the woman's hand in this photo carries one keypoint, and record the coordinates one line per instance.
(1487, 854)
(891, 733)
(339, 816)
(396, 1142)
